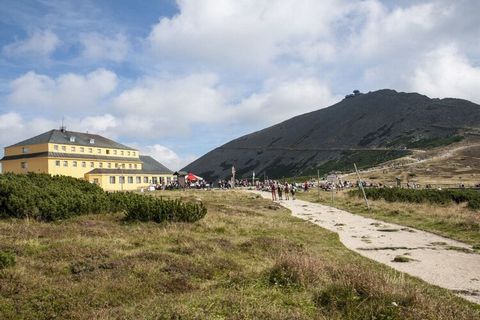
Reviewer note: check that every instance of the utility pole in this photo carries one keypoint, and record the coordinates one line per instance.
(360, 183)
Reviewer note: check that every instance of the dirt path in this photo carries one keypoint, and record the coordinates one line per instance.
(440, 261)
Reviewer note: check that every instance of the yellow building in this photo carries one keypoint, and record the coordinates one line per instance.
(97, 159)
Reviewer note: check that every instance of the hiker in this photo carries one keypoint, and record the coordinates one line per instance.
(280, 191)
(287, 191)
(293, 190)
(273, 187)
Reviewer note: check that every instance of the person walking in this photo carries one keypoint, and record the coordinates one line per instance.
(293, 190)
(280, 191)
(287, 191)
(273, 187)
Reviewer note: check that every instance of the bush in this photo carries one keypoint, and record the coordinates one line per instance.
(47, 198)
(148, 208)
(7, 259)
(442, 197)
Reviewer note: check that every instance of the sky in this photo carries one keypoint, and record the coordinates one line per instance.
(176, 79)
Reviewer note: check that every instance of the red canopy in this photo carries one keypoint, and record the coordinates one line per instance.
(192, 177)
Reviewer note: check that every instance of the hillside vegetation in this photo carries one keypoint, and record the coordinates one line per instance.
(46, 198)
(247, 259)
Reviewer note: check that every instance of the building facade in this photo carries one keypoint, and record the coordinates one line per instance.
(97, 159)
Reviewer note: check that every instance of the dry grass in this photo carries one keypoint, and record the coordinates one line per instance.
(452, 221)
(242, 261)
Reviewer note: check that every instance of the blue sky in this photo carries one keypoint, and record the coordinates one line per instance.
(178, 78)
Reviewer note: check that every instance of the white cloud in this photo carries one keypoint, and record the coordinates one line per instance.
(41, 43)
(167, 156)
(171, 104)
(14, 128)
(281, 101)
(99, 47)
(446, 72)
(251, 33)
(70, 92)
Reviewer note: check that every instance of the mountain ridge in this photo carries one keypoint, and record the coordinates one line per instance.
(381, 120)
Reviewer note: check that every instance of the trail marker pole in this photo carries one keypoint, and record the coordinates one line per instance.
(360, 183)
(318, 183)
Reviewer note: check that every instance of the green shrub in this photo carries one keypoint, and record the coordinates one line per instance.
(441, 197)
(148, 208)
(47, 198)
(7, 259)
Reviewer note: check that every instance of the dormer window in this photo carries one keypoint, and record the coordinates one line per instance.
(92, 141)
(72, 139)
(24, 150)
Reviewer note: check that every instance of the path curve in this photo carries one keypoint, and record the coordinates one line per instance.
(440, 261)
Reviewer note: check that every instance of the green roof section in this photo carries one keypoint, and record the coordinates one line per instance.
(79, 139)
(153, 166)
(150, 166)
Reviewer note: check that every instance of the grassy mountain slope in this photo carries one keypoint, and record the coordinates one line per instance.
(378, 122)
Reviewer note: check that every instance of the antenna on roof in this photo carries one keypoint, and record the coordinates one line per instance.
(63, 128)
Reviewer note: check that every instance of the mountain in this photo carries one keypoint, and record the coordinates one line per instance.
(365, 128)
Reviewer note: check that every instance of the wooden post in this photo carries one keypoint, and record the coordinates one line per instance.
(361, 186)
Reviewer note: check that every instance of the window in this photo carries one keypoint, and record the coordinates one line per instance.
(135, 166)
(100, 164)
(65, 163)
(162, 180)
(130, 179)
(130, 166)
(23, 165)
(128, 153)
(91, 164)
(90, 150)
(115, 152)
(123, 165)
(55, 147)
(133, 153)
(84, 164)
(112, 180)
(109, 165)
(138, 180)
(121, 152)
(95, 180)
(145, 179)
(168, 179)
(116, 165)
(121, 179)
(99, 150)
(57, 163)
(64, 148)
(92, 141)
(107, 151)
(74, 163)
(24, 150)
(154, 180)
(73, 149)
(82, 149)
(72, 139)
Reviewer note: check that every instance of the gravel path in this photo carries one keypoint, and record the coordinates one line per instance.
(440, 261)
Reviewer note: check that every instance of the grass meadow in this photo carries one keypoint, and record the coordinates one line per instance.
(247, 259)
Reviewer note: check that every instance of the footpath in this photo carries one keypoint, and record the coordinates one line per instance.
(437, 260)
